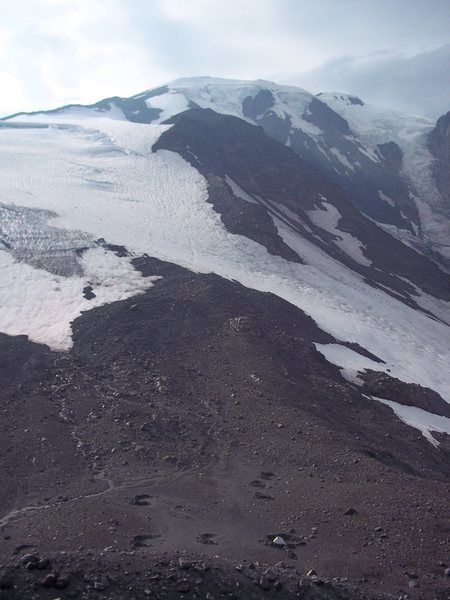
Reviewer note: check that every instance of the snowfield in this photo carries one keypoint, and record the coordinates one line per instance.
(99, 176)
(43, 305)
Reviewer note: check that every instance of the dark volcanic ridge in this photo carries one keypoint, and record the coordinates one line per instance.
(199, 417)
(276, 179)
(126, 574)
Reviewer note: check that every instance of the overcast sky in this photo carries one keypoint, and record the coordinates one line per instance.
(390, 52)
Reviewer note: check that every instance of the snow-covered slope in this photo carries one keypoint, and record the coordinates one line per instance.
(100, 176)
(84, 192)
(379, 157)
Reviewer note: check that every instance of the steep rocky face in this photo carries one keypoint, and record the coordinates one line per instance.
(362, 173)
(384, 386)
(250, 219)
(439, 143)
(424, 206)
(273, 177)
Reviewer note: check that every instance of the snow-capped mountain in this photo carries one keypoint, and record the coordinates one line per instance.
(380, 157)
(212, 235)
(113, 171)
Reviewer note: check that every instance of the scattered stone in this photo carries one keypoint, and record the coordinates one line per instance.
(48, 581)
(43, 563)
(5, 581)
(99, 586)
(264, 583)
(184, 564)
(278, 585)
(30, 561)
(260, 496)
(88, 292)
(257, 483)
(350, 512)
(241, 324)
(278, 541)
(447, 572)
(207, 539)
(170, 458)
(62, 582)
(142, 500)
(141, 541)
(183, 586)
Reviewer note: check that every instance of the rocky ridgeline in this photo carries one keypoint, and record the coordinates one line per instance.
(106, 575)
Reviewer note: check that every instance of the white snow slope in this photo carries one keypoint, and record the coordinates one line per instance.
(100, 176)
(370, 126)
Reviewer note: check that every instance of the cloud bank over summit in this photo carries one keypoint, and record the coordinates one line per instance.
(417, 84)
(54, 53)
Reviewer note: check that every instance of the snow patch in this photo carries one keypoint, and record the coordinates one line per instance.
(319, 147)
(239, 192)
(42, 305)
(420, 419)
(369, 153)
(349, 361)
(341, 158)
(171, 103)
(386, 198)
(328, 218)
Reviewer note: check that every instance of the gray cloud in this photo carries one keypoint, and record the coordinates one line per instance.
(54, 52)
(418, 84)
